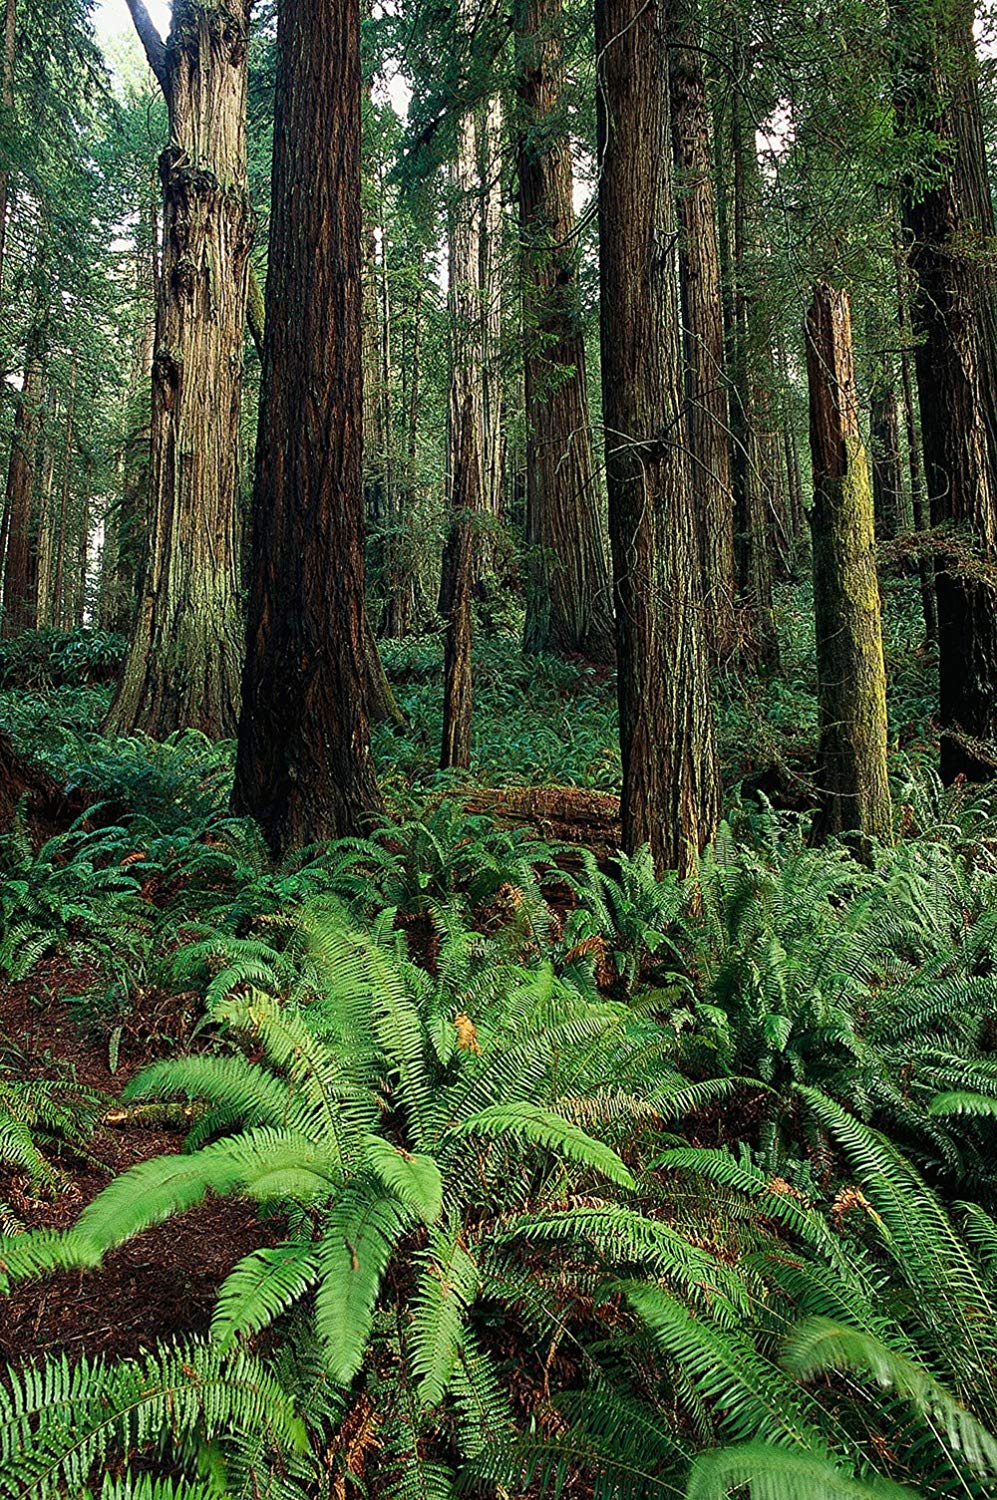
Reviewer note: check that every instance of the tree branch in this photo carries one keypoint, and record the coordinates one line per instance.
(155, 47)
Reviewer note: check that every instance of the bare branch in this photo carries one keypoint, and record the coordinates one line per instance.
(155, 47)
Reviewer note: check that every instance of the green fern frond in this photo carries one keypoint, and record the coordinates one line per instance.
(533, 1125)
(767, 1473)
(260, 1287)
(361, 1232)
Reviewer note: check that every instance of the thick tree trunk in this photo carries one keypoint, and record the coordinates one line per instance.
(851, 679)
(20, 579)
(670, 786)
(569, 603)
(950, 228)
(466, 444)
(702, 315)
(304, 767)
(184, 659)
(751, 456)
(925, 564)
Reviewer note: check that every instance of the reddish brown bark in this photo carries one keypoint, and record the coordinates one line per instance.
(707, 411)
(670, 787)
(569, 606)
(949, 222)
(303, 766)
(20, 570)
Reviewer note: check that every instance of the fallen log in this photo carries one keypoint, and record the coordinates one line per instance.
(48, 806)
(557, 814)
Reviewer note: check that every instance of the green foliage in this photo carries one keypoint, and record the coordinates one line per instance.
(49, 658)
(63, 1426)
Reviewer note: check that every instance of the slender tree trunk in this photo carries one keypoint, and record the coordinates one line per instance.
(60, 539)
(493, 456)
(374, 405)
(304, 767)
(925, 564)
(20, 572)
(83, 549)
(670, 785)
(110, 551)
(184, 658)
(465, 440)
(702, 316)
(950, 228)
(887, 484)
(400, 584)
(569, 604)
(46, 526)
(851, 679)
(753, 516)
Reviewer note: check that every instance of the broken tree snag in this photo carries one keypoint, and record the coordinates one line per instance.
(851, 680)
(48, 806)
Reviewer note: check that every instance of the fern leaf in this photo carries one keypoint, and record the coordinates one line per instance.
(768, 1473)
(530, 1124)
(260, 1287)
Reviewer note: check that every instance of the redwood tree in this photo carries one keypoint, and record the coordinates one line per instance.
(20, 563)
(303, 766)
(185, 653)
(949, 220)
(569, 607)
(702, 316)
(670, 785)
(851, 679)
(466, 480)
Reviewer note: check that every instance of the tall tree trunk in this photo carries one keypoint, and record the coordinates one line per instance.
(751, 488)
(950, 227)
(303, 766)
(884, 435)
(466, 444)
(851, 679)
(46, 518)
(670, 785)
(184, 658)
(399, 612)
(20, 571)
(925, 563)
(702, 316)
(569, 604)
(7, 105)
(60, 538)
(374, 403)
(82, 561)
(493, 456)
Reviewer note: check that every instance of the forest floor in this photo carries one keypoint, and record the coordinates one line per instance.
(537, 724)
(162, 1283)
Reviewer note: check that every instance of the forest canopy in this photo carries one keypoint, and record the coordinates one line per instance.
(498, 738)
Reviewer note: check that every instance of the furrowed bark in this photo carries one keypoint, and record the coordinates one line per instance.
(707, 410)
(670, 788)
(303, 765)
(569, 603)
(184, 660)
